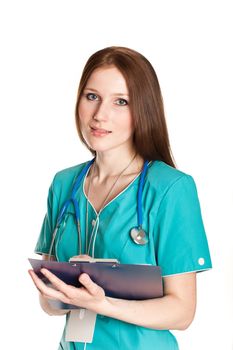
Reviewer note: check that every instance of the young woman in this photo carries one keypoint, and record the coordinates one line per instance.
(120, 118)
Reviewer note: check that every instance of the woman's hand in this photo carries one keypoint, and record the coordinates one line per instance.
(173, 311)
(90, 295)
(81, 257)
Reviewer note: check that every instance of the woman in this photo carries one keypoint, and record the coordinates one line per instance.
(120, 118)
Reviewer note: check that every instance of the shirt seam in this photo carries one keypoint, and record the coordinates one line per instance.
(184, 272)
(73, 181)
(169, 188)
(53, 188)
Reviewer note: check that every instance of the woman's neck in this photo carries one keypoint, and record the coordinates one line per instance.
(112, 163)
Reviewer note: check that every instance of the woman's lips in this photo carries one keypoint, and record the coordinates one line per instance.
(99, 132)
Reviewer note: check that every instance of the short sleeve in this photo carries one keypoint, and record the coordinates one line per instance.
(49, 223)
(182, 244)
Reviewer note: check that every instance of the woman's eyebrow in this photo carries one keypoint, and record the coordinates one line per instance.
(115, 94)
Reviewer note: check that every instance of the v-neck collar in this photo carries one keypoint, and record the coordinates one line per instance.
(112, 200)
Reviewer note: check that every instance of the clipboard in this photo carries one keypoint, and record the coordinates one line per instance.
(124, 281)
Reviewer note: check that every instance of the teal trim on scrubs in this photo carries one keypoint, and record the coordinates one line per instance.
(177, 241)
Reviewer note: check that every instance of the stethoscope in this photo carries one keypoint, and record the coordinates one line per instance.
(137, 234)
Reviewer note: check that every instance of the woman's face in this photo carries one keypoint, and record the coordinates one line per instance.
(105, 119)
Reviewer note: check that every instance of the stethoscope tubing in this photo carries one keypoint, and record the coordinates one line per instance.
(140, 189)
(73, 200)
(72, 197)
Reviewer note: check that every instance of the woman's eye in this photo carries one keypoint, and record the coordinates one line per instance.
(121, 102)
(92, 97)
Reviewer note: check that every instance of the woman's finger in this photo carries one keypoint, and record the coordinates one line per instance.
(81, 257)
(56, 282)
(91, 286)
(37, 281)
(45, 290)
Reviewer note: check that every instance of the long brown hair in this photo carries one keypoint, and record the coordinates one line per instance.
(151, 139)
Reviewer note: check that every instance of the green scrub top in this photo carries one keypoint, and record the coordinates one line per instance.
(177, 241)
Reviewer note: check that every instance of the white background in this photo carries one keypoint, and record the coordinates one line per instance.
(44, 46)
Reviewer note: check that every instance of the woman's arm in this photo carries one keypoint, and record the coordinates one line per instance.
(173, 311)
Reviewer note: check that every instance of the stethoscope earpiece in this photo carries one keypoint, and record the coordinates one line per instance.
(138, 235)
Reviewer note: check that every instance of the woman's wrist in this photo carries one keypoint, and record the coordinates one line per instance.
(45, 305)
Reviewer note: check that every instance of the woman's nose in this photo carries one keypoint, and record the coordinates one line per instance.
(102, 112)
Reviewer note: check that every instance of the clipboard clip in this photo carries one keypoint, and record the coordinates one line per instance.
(115, 265)
(74, 260)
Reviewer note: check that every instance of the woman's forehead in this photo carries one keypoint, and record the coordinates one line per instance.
(108, 79)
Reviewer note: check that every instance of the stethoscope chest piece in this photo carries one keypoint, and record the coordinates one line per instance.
(139, 236)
